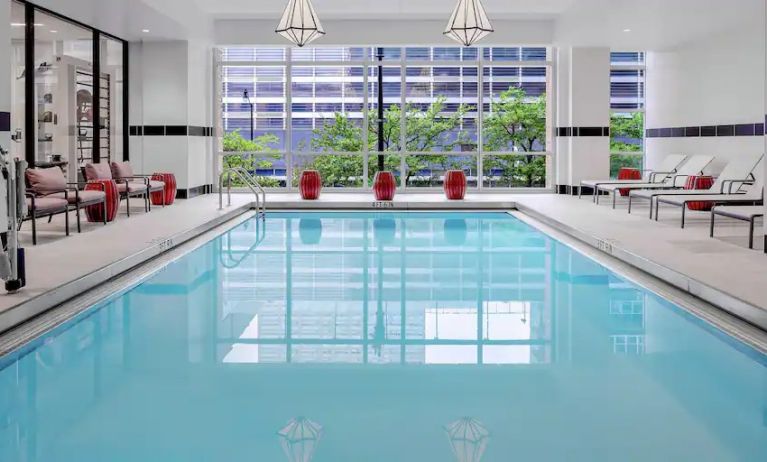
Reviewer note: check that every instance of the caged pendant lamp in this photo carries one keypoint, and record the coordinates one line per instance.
(299, 23)
(469, 23)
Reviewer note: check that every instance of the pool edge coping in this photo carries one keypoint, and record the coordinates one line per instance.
(720, 299)
(26, 310)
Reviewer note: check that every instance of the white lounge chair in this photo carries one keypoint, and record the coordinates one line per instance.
(745, 193)
(668, 166)
(694, 166)
(747, 213)
(737, 171)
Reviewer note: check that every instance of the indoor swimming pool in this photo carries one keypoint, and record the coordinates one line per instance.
(332, 337)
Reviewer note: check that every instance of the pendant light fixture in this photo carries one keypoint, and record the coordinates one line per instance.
(299, 23)
(469, 23)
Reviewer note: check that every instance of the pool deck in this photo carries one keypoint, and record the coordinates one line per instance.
(721, 271)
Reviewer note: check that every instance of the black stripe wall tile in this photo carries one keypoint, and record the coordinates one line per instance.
(5, 121)
(582, 131)
(170, 130)
(756, 129)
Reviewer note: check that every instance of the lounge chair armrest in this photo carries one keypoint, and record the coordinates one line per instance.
(678, 175)
(654, 174)
(732, 182)
(145, 179)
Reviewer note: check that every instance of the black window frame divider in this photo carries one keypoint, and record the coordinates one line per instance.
(30, 145)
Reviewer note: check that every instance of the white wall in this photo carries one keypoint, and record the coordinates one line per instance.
(714, 82)
(171, 84)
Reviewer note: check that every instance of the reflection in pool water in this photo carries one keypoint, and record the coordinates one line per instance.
(384, 331)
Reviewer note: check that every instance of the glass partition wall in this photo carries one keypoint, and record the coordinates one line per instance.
(285, 110)
(62, 115)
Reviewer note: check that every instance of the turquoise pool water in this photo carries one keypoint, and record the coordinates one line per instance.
(337, 337)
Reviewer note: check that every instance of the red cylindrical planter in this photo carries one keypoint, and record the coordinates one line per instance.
(455, 184)
(626, 173)
(170, 189)
(384, 186)
(699, 182)
(95, 213)
(310, 185)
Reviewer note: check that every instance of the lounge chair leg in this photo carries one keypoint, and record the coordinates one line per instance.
(650, 207)
(580, 191)
(629, 203)
(614, 198)
(596, 195)
(147, 207)
(50, 218)
(104, 215)
(66, 221)
(657, 208)
(713, 218)
(34, 229)
(684, 209)
(77, 211)
(751, 233)
(127, 203)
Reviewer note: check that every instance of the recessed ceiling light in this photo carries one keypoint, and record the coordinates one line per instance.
(22, 24)
(626, 30)
(146, 31)
(54, 32)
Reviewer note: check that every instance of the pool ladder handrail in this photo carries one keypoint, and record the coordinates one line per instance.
(249, 181)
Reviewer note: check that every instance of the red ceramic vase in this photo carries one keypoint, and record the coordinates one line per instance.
(455, 185)
(699, 182)
(310, 184)
(170, 189)
(626, 173)
(95, 213)
(384, 186)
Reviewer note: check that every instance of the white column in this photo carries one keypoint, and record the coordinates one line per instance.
(584, 114)
(171, 99)
(562, 67)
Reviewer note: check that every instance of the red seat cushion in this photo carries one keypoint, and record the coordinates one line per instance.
(44, 205)
(46, 180)
(131, 187)
(100, 171)
(85, 196)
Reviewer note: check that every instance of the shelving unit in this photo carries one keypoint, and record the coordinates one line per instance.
(85, 128)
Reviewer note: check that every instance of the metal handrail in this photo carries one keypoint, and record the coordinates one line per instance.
(249, 181)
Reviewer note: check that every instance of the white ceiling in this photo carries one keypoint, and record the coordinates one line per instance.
(654, 24)
(382, 9)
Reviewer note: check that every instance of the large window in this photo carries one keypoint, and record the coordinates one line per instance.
(482, 110)
(627, 100)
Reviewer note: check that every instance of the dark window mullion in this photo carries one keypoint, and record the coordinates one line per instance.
(29, 85)
(96, 109)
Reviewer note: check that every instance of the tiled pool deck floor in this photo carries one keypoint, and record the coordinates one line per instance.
(722, 271)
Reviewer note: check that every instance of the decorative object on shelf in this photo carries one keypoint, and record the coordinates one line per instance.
(48, 98)
(468, 439)
(384, 186)
(299, 439)
(170, 188)
(299, 23)
(95, 213)
(626, 173)
(699, 182)
(310, 184)
(469, 23)
(455, 185)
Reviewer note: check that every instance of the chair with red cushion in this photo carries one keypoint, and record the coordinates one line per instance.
(126, 188)
(124, 171)
(42, 182)
(42, 198)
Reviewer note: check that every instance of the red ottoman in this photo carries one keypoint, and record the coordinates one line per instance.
(384, 186)
(95, 213)
(170, 189)
(626, 173)
(455, 185)
(310, 184)
(699, 182)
